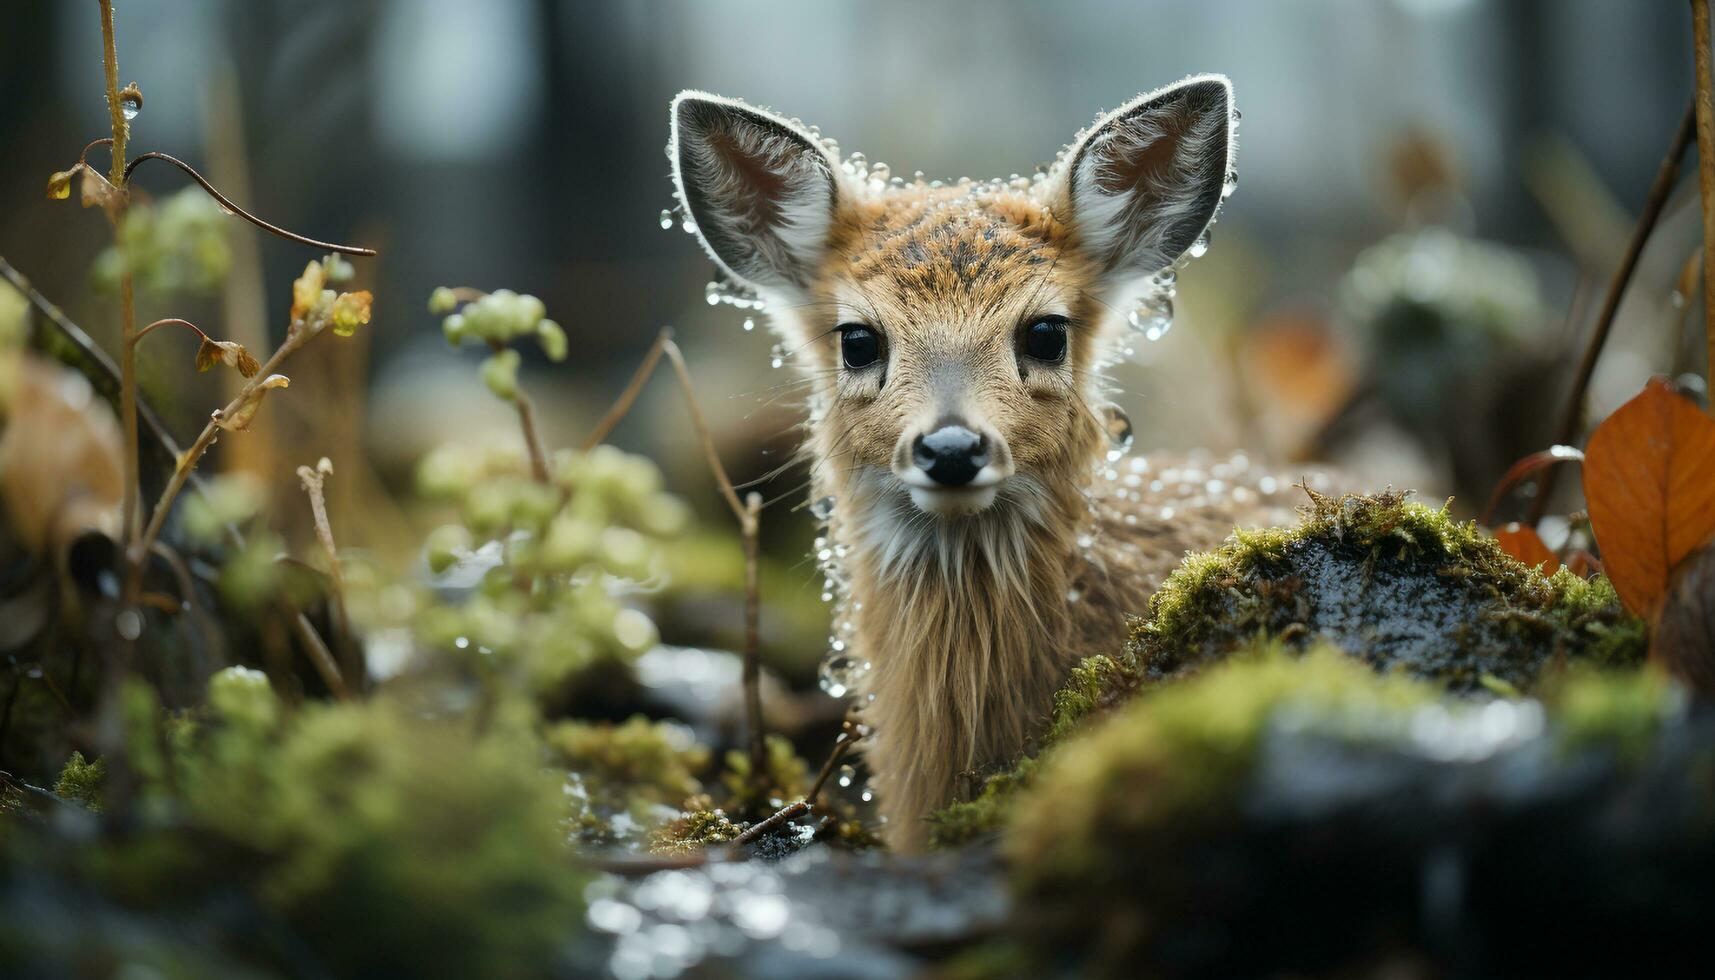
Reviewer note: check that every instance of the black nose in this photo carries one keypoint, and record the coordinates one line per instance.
(951, 455)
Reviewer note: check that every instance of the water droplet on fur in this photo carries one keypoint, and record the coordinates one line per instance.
(823, 508)
(847, 776)
(712, 293)
(840, 673)
(1231, 185)
(129, 106)
(868, 796)
(1119, 433)
(1153, 316)
(129, 623)
(1200, 247)
(749, 324)
(666, 219)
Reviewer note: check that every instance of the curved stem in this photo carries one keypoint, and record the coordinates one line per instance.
(1573, 414)
(532, 438)
(226, 203)
(171, 321)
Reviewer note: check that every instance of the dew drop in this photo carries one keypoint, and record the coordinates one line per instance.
(129, 623)
(1231, 185)
(749, 324)
(840, 673)
(847, 776)
(1200, 247)
(129, 107)
(712, 293)
(666, 219)
(823, 509)
(1119, 433)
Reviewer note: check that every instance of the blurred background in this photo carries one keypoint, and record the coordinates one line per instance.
(1433, 195)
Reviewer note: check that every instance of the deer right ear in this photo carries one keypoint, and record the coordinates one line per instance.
(760, 190)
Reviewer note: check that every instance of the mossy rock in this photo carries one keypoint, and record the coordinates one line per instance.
(1281, 813)
(1393, 583)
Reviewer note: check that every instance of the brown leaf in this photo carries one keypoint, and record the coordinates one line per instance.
(228, 352)
(1684, 636)
(1522, 542)
(96, 191)
(241, 417)
(1649, 480)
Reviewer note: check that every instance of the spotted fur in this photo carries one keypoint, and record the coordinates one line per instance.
(970, 607)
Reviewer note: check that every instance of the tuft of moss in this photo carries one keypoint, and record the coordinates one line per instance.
(701, 825)
(1393, 583)
(80, 781)
(389, 840)
(640, 768)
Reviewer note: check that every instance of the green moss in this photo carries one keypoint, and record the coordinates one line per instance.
(80, 781)
(1624, 709)
(1180, 747)
(962, 823)
(389, 839)
(642, 769)
(701, 825)
(787, 779)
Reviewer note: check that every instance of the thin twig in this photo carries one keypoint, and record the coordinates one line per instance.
(761, 827)
(1573, 415)
(748, 526)
(622, 406)
(226, 203)
(319, 655)
(748, 513)
(532, 438)
(189, 458)
(841, 745)
(1705, 103)
(314, 480)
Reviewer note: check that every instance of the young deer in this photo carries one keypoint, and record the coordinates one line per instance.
(953, 337)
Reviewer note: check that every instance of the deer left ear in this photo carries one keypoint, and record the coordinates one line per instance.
(761, 190)
(1143, 183)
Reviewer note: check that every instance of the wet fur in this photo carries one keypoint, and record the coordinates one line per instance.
(970, 622)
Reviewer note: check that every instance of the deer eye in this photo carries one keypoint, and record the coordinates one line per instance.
(1045, 339)
(860, 346)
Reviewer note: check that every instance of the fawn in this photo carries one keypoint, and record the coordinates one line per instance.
(983, 534)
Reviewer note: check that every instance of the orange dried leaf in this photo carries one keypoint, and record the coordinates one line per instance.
(1649, 480)
(1522, 542)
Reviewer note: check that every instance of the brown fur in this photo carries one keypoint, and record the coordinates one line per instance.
(972, 612)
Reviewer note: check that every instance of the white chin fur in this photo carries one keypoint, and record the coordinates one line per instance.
(952, 501)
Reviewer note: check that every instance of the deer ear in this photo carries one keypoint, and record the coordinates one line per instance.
(761, 190)
(1143, 183)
